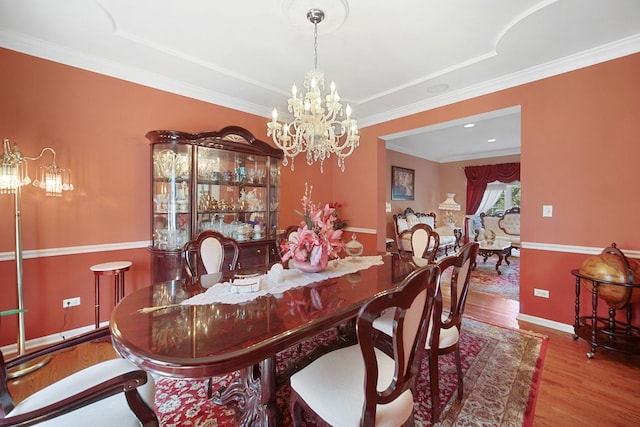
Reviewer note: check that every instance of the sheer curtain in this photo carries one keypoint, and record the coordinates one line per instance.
(490, 196)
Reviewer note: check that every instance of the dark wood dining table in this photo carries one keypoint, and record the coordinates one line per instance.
(201, 341)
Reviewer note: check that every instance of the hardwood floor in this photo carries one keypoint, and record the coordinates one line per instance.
(574, 391)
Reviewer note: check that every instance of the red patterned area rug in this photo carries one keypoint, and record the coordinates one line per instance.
(502, 369)
(485, 278)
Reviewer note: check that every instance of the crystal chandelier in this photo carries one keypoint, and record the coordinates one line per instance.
(316, 128)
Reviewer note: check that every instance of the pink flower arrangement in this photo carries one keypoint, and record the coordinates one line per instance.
(317, 240)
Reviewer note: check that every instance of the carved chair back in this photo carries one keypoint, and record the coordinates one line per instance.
(211, 252)
(424, 242)
(413, 302)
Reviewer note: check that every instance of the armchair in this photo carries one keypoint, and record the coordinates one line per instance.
(110, 393)
(504, 227)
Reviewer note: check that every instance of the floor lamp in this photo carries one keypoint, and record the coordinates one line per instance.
(13, 176)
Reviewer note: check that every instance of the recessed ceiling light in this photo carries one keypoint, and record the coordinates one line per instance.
(441, 87)
(491, 140)
(469, 125)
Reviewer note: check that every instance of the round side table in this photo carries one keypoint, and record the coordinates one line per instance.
(115, 268)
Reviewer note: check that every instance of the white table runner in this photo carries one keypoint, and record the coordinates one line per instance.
(291, 278)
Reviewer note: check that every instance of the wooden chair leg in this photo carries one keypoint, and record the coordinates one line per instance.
(459, 369)
(294, 410)
(210, 388)
(435, 389)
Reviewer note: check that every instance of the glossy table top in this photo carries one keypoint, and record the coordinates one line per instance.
(197, 341)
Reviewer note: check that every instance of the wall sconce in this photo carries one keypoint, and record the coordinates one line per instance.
(14, 175)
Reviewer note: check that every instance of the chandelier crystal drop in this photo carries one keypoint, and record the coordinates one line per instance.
(319, 127)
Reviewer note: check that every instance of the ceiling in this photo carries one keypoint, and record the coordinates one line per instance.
(388, 59)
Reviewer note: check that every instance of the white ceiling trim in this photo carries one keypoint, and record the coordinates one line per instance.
(194, 60)
(428, 77)
(43, 49)
(600, 54)
(53, 52)
(459, 158)
(456, 122)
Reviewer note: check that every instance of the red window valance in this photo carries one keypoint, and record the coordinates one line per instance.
(479, 176)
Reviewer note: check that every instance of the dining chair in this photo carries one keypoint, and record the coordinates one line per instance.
(111, 393)
(445, 333)
(361, 384)
(424, 242)
(211, 252)
(444, 330)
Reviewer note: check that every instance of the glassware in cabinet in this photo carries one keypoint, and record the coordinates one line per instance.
(226, 181)
(171, 196)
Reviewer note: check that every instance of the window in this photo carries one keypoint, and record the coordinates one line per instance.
(508, 198)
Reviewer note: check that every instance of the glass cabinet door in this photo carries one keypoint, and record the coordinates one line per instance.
(274, 197)
(232, 194)
(171, 195)
(227, 181)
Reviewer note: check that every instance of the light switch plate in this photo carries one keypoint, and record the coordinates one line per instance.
(547, 210)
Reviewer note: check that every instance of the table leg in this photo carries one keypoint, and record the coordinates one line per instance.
(97, 300)
(255, 395)
(269, 385)
(507, 254)
(500, 258)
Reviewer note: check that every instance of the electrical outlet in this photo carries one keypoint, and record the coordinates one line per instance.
(544, 293)
(70, 302)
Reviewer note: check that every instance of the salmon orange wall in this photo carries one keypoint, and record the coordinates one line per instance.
(579, 149)
(579, 142)
(97, 125)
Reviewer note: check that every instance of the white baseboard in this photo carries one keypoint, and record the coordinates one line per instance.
(563, 327)
(49, 339)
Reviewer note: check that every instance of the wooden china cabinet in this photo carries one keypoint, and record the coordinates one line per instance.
(227, 181)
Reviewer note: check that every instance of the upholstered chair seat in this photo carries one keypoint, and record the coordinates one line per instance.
(110, 393)
(342, 406)
(112, 411)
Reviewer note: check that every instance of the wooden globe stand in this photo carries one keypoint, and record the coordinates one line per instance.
(619, 292)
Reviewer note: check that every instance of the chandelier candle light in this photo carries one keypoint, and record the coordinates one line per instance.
(449, 206)
(13, 175)
(316, 128)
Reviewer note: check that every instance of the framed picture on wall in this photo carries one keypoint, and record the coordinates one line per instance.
(402, 183)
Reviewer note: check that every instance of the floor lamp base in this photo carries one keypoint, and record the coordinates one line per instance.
(27, 367)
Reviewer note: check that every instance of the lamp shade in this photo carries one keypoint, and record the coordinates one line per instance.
(449, 204)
